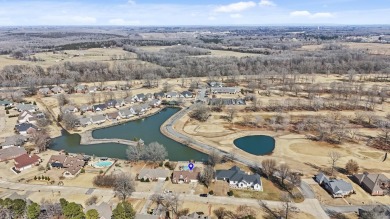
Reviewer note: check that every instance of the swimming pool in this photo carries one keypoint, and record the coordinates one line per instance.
(185, 168)
(102, 164)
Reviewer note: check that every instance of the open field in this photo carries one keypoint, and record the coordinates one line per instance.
(96, 54)
(371, 48)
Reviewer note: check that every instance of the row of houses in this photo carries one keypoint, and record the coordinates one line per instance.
(53, 90)
(234, 176)
(374, 184)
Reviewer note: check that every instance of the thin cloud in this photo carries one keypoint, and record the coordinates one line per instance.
(267, 3)
(120, 21)
(311, 15)
(235, 7)
(131, 2)
(236, 16)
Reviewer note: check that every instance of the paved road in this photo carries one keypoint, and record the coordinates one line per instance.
(168, 128)
(156, 190)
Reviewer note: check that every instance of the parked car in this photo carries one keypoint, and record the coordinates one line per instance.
(203, 195)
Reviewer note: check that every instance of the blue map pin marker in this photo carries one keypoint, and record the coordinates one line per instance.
(190, 166)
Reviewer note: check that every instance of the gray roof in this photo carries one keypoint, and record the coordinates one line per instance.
(15, 140)
(11, 153)
(226, 101)
(146, 216)
(339, 185)
(5, 102)
(236, 174)
(104, 210)
(225, 89)
(85, 121)
(172, 93)
(140, 96)
(102, 106)
(321, 178)
(26, 107)
(153, 173)
(195, 215)
(98, 118)
(186, 93)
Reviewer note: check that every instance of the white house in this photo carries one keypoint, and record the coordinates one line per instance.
(239, 179)
(171, 94)
(126, 113)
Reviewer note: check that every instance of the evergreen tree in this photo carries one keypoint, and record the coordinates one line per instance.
(123, 210)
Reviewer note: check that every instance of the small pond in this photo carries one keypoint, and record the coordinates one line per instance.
(256, 144)
(148, 129)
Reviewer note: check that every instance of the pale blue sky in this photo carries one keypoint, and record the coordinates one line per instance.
(188, 12)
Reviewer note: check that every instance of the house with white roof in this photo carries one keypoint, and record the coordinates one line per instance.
(239, 179)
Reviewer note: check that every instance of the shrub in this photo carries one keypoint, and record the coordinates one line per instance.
(34, 103)
(142, 180)
(147, 180)
(82, 170)
(101, 171)
(39, 178)
(211, 192)
(7, 112)
(41, 168)
(91, 200)
(160, 164)
(48, 179)
(230, 193)
(167, 179)
(35, 178)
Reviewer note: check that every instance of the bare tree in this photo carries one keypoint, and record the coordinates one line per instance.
(207, 175)
(41, 139)
(200, 112)
(124, 185)
(269, 167)
(154, 152)
(284, 172)
(295, 179)
(333, 158)
(62, 100)
(134, 153)
(286, 199)
(214, 158)
(231, 112)
(70, 120)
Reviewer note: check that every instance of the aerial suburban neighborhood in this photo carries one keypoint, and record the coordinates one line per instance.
(194, 110)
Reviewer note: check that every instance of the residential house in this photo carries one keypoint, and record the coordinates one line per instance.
(44, 91)
(11, 141)
(85, 121)
(26, 161)
(71, 164)
(27, 117)
(92, 89)
(99, 107)
(69, 109)
(25, 128)
(85, 108)
(155, 103)
(104, 209)
(172, 94)
(148, 96)
(215, 84)
(186, 176)
(129, 100)
(239, 179)
(186, 94)
(26, 107)
(225, 90)
(80, 88)
(57, 90)
(5, 103)
(374, 184)
(140, 97)
(138, 110)
(98, 119)
(11, 153)
(338, 188)
(113, 116)
(153, 174)
(110, 88)
(226, 101)
(111, 103)
(159, 95)
(120, 103)
(126, 113)
(195, 215)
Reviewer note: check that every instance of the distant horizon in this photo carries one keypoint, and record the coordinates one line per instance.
(194, 13)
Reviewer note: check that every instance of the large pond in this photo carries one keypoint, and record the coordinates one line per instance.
(256, 144)
(147, 129)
